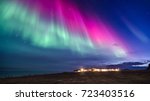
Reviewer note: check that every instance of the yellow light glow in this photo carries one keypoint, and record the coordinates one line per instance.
(98, 70)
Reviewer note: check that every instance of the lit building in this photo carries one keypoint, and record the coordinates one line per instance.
(98, 70)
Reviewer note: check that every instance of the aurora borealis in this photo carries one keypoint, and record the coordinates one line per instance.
(61, 29)
(58, 34)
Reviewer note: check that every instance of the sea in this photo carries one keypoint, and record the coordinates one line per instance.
(16, 73)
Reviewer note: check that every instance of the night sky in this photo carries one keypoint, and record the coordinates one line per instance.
(59, 35)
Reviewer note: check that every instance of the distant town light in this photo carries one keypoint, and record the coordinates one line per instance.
(98, 70)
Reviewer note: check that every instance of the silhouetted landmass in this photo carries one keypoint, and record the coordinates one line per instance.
(148, 67)
(123, 77)
(123, 66)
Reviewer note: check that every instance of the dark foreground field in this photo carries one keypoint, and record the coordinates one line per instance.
(126, 77)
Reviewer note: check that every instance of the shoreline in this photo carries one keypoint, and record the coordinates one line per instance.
(122, 77)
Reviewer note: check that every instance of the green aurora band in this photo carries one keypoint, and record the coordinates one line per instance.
(29, 25)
